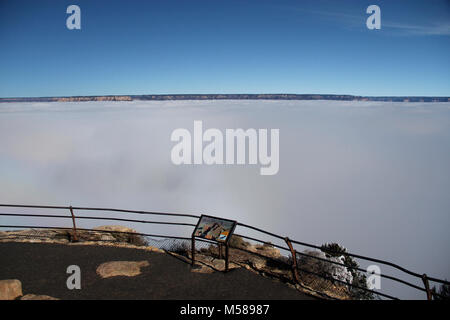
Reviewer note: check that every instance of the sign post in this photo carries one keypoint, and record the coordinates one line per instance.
(214, 229)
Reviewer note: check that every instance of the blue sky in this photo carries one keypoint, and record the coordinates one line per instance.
(171, 46)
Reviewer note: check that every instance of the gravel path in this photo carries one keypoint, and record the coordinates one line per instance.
(42, 270)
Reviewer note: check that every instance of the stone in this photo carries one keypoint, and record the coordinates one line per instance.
(218, 264)
(265, 250)
(201, 269)
(10, 289)
(37, 297)
(116, 228)
(107, 237)
(122, 234)
(257, 262)
(121, 268)
(213, 264)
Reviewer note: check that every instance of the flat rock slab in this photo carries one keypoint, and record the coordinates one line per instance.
(202, 269)
(37, 297)
(121, 268)
(204, 262)
(115, 228)
(10, 289)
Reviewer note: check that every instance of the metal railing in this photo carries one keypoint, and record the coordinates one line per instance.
(290, 263)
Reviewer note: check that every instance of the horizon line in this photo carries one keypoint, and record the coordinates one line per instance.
(225, 96)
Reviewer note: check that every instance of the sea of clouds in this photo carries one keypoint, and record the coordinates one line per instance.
(372, 176)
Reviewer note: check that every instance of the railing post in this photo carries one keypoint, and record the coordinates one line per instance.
(427, 286)
(294, 260)
(193, 250)
(226, 257)
(75, 237)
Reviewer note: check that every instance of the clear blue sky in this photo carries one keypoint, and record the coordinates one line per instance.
(190, 46)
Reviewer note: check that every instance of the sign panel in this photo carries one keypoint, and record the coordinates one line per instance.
(213, 228)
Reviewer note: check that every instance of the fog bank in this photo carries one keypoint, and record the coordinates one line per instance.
(372, 176)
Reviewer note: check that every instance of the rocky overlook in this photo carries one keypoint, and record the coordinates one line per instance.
(262, 259)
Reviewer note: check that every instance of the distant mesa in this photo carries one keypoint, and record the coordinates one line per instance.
(162, 97)
(99, 98)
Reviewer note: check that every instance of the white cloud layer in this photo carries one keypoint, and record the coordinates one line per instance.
(372, 176)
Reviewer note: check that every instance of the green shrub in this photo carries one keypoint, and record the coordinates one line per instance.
(444, 291)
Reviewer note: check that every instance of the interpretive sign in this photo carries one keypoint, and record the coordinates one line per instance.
(215, 229)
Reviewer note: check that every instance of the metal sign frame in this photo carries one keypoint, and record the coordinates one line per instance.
(219, 242)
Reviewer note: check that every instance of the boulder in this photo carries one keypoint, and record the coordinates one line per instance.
(107, 237)
(212, 263)
(121, 234)
(10, 289)
(257, 263)
(104, 234)
(116, 228)
(202, 269)
(121, 268)
(266, 250)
